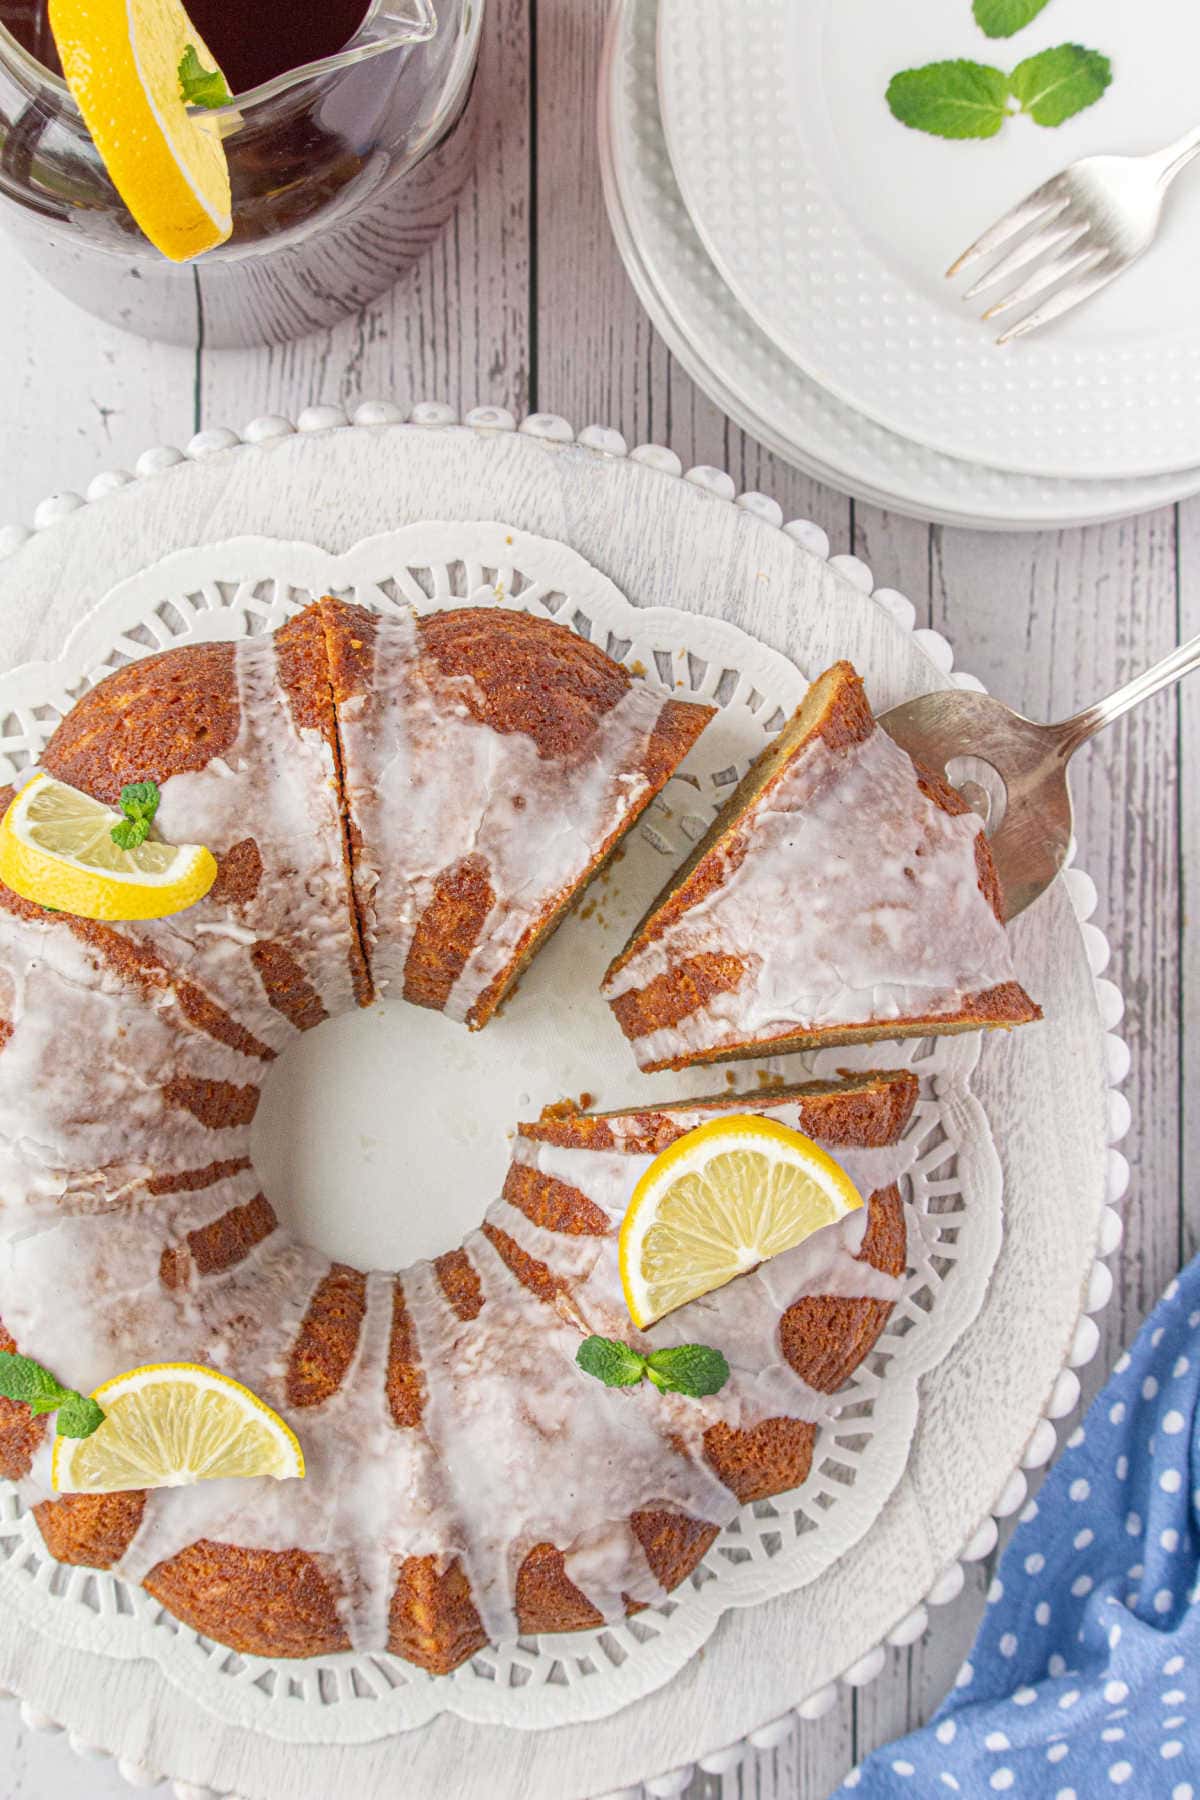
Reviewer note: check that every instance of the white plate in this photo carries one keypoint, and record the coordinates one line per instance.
(832, 222)
(657, 538)
(739, 368)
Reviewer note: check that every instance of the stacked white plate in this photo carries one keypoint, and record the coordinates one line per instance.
(787, 237)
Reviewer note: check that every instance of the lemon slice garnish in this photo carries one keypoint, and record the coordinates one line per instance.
(121, 60)
(172, 1424)
(720, 1200)
(56, 848)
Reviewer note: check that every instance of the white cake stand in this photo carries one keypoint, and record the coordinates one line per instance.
(665, 538)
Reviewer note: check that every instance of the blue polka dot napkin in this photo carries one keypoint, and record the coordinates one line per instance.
(1085, 1677)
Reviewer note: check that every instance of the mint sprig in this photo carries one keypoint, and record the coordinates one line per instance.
(200, 86)
(139, 803)
(693, 1369)
(1004, 18)
(21, 1378)
(963, 99)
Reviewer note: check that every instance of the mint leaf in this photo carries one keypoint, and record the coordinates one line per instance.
(611, 1362)
(23, 1379)
(127, 834)
(693, 1369)
(1056, 84)
(950, 99)
(1002, 18)
(200, 86)
(78, 1416)
(139, 800)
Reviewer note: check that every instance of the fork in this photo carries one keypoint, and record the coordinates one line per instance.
(1090, 222)
(1030, 822)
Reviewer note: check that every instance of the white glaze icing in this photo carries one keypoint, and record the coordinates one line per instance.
(429, 785)
(857, 901)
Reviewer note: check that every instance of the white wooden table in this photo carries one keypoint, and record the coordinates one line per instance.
(524, 304)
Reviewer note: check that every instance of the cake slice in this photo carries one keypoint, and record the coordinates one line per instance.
(491, 760)
(239, 737)
(842, 894)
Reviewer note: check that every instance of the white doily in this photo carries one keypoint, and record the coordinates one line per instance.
(952, 1190)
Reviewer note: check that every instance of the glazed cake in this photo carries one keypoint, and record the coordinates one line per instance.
(842, 894)
(359, 780)
(466, 1481)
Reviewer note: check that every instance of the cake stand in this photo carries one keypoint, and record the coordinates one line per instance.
(986, 1412)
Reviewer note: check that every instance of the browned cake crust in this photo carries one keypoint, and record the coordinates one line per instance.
(836, 710)
(529, 675)
(260, 1602)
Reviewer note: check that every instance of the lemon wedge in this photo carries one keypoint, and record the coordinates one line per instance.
(57, 848)
(121, 60)
(717, 1202)
(172, 1424)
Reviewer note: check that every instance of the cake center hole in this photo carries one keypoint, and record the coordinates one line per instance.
(379, 1137)
(384, 1135)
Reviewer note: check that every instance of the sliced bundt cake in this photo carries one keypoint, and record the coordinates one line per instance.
(841, 894)
(466, 1479)
(491, 761)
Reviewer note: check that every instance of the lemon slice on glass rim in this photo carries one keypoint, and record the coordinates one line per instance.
(122, 60)
(57, 849)
(719, 1201)
(172, 1424)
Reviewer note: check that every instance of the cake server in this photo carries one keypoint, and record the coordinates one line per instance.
(1027, 803)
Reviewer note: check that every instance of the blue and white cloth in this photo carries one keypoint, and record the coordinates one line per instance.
(1084, 1679)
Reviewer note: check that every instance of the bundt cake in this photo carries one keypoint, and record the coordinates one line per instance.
(841, 895)
(411, 802)
(466, 1480)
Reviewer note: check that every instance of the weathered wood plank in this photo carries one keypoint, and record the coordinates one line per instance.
(1189, 877)
(598, 359)
(77, 396)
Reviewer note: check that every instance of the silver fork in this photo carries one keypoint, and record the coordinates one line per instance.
(1029, 823)
(1089, 223)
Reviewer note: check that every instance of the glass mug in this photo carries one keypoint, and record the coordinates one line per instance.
(343, 170)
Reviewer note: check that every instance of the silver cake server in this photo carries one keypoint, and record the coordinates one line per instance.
(1021, 791)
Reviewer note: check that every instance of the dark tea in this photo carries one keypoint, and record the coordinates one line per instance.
(252, 44)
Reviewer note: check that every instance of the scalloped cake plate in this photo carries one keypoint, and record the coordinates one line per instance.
(606, 533)
(331, 1141)
(806, 191)
(751, 379)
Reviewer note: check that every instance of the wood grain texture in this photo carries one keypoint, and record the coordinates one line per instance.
(524, 303)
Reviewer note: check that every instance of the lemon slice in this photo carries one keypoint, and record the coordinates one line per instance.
(56, 847)
(720, 1200)
(172, 1424)
(121, 60)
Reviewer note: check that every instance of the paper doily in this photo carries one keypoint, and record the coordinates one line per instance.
(952, 1195)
